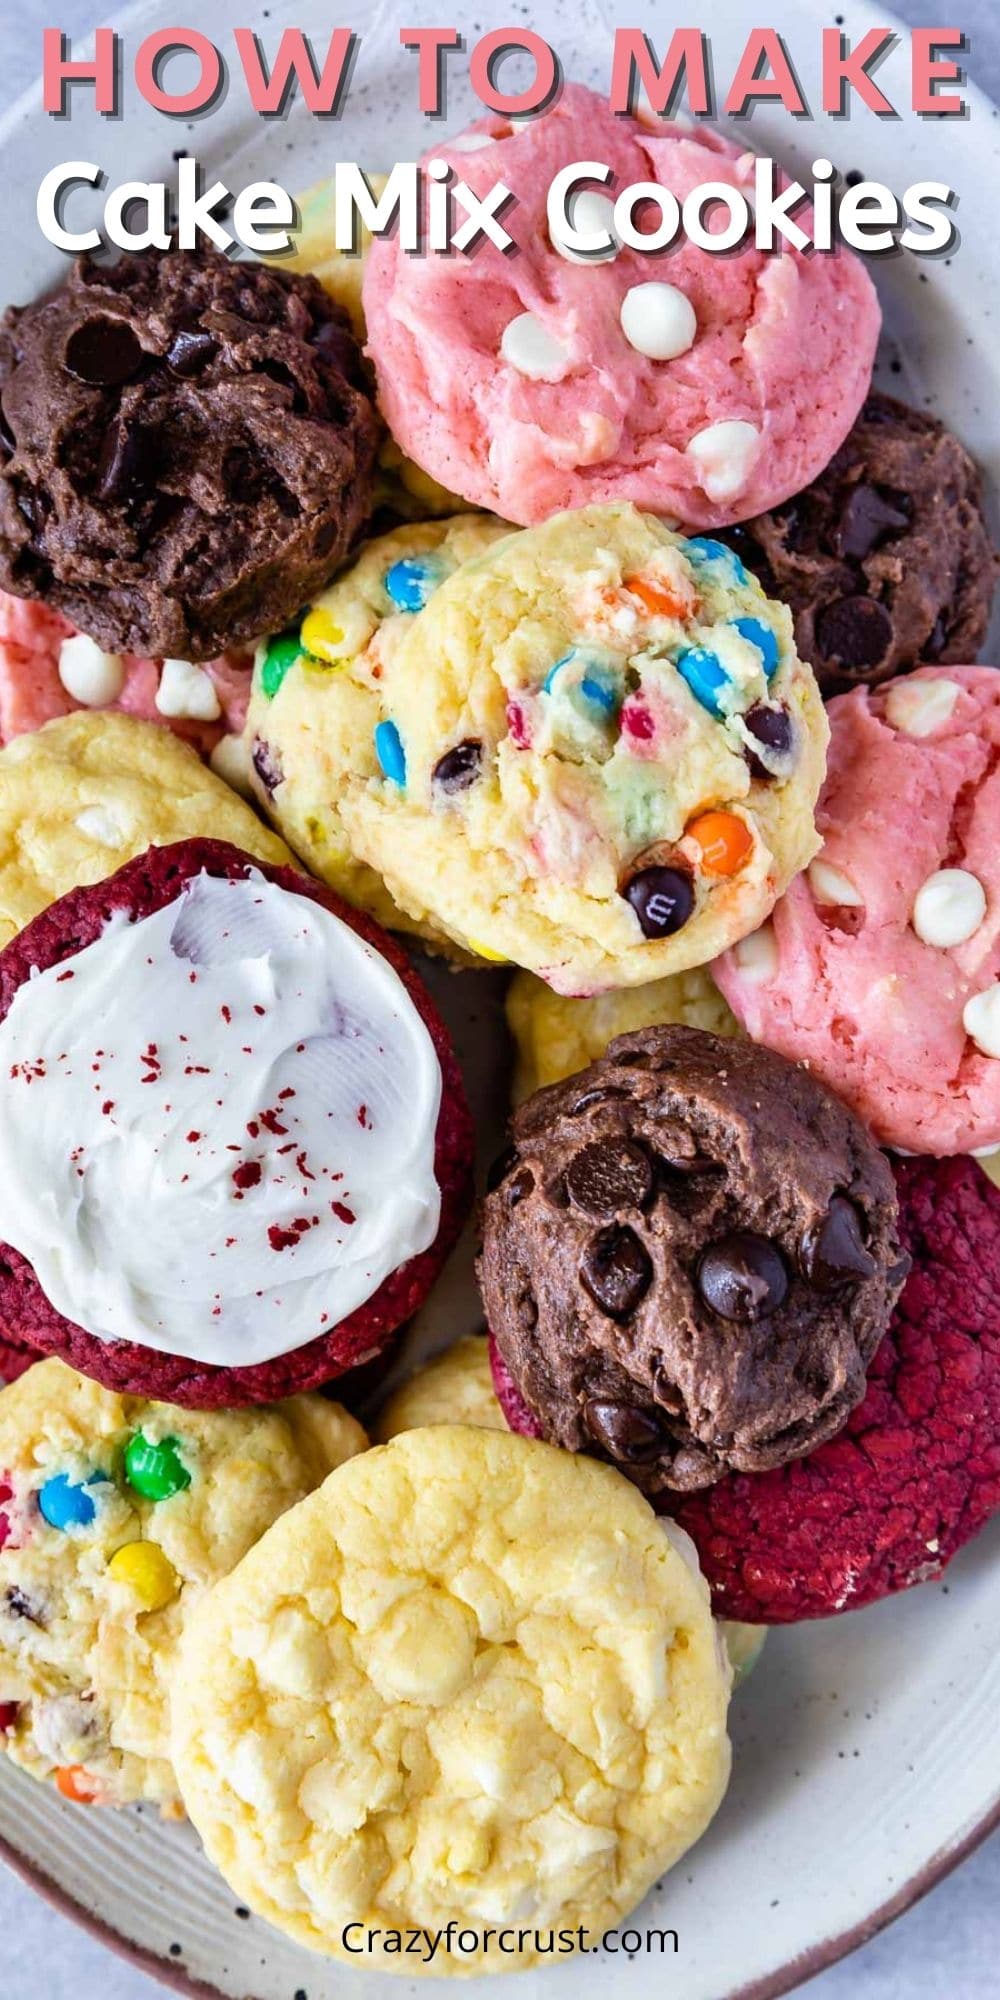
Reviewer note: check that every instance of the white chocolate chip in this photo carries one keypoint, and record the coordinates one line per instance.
(949, 908)
(590, 214)
(985, 1152)
(470, 142)
(831, 886)
(918, 708)
(757, 955)
(90, 676)
(230, 760)
(981, 1020)
(724, 455)
(529, 347)
(187, 692)
(101, 823)
(658, 321)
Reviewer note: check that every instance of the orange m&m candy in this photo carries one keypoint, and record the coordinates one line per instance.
(658, 598)
(77, 1784)
(725, 841)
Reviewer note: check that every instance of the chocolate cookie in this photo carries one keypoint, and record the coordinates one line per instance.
(690, 1255)
(187, 450)
(885, 560)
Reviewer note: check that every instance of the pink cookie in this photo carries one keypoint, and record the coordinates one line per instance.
(530, 415)
(881, 965)
(32, 693)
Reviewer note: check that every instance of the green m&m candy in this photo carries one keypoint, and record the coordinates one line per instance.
(280, 654)
(155, 1470)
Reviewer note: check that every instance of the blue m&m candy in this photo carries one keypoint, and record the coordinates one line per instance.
(410, 583)
(763, 637)
(702, 549)
(706, 677)
(66, 1503)
(390, 753)
(596, 687)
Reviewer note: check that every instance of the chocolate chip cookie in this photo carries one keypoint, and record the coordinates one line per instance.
(690, 1255)
(885, 560)
(187, 450)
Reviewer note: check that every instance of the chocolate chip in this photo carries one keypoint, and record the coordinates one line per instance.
(662, 898)
(520, 1186)
(938, 640)
(856, 631)
(833, 1250)
(20, 1605)
(609, 1175)
(616, 1271)
(746, 546)
(500, 1167)
(743, 1276)
(623, 1430)
(120, 462)
(190, 351)
(459, 768)
(104, 352)
(772, 728)
(8, 442)
(337, 348)
(868, 519)
(601, 1094)
(325, 537)
(266, 765)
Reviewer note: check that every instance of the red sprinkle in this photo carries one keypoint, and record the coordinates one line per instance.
(247, 1174)
(341, 1210)
(286, 1239)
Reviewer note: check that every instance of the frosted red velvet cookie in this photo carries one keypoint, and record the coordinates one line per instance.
(703, 386)
(881, 965)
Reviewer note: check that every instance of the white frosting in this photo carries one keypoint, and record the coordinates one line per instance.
(658, 321)
(918, 708)
(981, 1020)
(529, 347)
(724, 455)
(830, 885)
(949, 907)
(757, 955)
(90, 676)
(226, 1231)
(187, 692)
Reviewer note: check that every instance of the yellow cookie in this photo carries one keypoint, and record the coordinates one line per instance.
(470, 1680)
(314, 705)
(98, 1575)
(457, 1388)
(89, 792)
(599, 754)
(402, 487)
(555, 1036)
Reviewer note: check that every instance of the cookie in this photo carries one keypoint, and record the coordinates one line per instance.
(885, 560)
(599, 754)
(48, 669)
(384, 1716)
(881, 966)
(116, 1516)
(916, 1472)
(88, 792)
(699, 386)
(457, 1387)
(555, 1036)
(401, 488)
(316, 704)
(690, 1254)
(225, 1047)
(188, 450)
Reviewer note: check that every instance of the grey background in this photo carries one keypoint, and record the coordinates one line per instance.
(948, 1948)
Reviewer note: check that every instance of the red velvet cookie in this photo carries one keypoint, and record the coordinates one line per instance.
(914, 1474)
(140, 889)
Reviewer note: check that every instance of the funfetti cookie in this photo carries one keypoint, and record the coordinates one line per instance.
(701, 386)
(211, 1072)
(385, 1715)
(316, 705)
(598, 753)
(555, 1036)
(116, 1515)
(881, 965)
(885, 560)
(48, 669)
(88, 792)
(188, 451)
(690, 1254)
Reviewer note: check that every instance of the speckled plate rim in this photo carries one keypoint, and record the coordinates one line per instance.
(840, 1941)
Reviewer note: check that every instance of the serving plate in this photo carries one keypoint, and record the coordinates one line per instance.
(862, 1764)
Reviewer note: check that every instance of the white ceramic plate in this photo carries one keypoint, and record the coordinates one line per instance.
(863, 1767)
